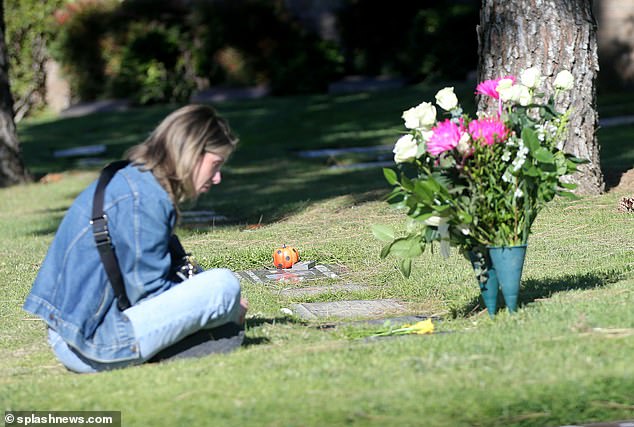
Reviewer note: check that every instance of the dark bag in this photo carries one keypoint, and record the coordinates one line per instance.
(183, 265)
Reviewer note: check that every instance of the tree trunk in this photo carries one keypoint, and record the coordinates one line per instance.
(12, 169)
(552, 35)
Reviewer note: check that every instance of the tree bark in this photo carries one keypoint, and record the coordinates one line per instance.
(553, 35)
(12, 169)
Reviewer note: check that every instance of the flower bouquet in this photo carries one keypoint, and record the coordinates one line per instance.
(478, 183)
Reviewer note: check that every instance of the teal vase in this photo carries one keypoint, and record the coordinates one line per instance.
(487, 279)
(508, 263)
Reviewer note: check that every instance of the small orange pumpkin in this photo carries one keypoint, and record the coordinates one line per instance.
(285, 256)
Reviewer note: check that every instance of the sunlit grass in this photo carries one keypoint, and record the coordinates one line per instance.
(564, 358)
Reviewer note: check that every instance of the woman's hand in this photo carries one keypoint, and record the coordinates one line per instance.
(244, 306)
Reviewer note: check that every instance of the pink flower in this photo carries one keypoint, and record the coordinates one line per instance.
(489, 87)
(488, 130)
(446, 137)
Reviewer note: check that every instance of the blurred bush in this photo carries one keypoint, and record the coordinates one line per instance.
(150, 51)
(160, 51)
(133, 49)
(409, 38)
(29, 26)
(258, 42)
(82, 26)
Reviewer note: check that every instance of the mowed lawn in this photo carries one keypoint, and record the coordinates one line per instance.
(564, 358)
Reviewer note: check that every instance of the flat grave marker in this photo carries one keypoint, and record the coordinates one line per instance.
(201, 217)
(86, 150)
(279, 276)
(347, 309)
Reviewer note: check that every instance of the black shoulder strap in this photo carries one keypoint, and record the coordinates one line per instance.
(101, 234)
(177, 252)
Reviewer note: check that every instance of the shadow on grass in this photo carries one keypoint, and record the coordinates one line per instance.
(251, 341)
(259, 321)
(288, 188)
(54, 218)
(265, 178)
(45, 231)
(617, 156)
(532, 290)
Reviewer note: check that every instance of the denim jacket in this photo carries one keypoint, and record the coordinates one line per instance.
(71, 292)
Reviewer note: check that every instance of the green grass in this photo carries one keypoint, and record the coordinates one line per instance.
(564, 358)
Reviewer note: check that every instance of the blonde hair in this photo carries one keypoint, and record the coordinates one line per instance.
(175, 147)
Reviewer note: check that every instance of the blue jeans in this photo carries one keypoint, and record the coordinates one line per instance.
(207, 300)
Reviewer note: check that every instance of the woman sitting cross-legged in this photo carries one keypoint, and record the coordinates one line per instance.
(109, 289)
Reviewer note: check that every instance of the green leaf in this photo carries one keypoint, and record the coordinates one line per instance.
(390, 176)
(406, 247)
(384, 233)
(530, 139)
(423, 215)
(568, 195)
(544, 156)
(465, 217)
(406, 267)
(577, 160)
(568, 185)
(385, 250)
(407, 183)
(395, 196)
(424, 190)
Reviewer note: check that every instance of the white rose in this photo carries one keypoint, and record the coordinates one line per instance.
(504, 85)
(524, 95)
(531, 77)
(564, 80)
(427, 134)
(508, 93)
(446, 99)
(422, 116)
(405, 149)
(463, 146)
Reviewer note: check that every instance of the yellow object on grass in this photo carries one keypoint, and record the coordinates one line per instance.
(420, 328)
